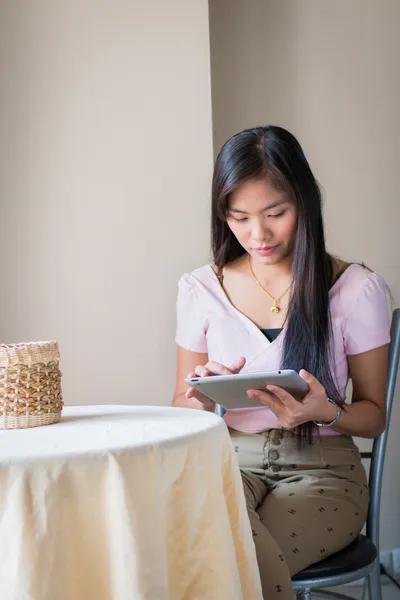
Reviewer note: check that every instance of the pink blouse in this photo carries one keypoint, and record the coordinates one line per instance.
(207, 322)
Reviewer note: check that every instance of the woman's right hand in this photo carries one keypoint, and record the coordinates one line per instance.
(211, 368)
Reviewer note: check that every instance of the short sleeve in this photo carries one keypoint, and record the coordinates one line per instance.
(368, 326)
(191, 322)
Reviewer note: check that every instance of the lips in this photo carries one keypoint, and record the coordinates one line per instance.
(265, 250)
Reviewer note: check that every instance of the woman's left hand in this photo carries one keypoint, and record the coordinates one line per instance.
(292, 413)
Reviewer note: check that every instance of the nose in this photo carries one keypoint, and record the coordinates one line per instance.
(259, 231)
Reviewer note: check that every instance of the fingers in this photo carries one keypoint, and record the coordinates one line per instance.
(215, 368)
(314, 384)
(285, 398)
(269, 400)
(289, 411)
(191, 390)
(218, 369)
(281, 405)
(238, 365)
(202, 371)
(212, 368)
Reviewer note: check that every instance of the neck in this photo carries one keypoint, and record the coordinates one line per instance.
(267, 273)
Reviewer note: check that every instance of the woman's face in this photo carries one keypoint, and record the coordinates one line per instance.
(264, 221)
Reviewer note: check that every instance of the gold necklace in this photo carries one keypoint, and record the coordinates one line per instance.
(275, 308)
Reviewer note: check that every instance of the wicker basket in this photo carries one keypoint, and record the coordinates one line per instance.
(30, 385)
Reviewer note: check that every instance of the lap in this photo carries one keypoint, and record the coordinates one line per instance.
(314, 517)
(314, 508)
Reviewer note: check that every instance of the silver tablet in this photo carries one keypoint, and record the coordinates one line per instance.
(230, 390)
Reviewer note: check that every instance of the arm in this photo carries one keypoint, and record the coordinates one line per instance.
(186, 365)
(366, 416)
(192, 343)
(194, 364)
(366, 333)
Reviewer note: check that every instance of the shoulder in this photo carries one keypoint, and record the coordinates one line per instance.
(200, 274)
(192, 309)
(200, 279)
(355, 280)
(359, 302)
(208, 274)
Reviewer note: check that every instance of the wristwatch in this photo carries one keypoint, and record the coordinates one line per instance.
(339, 412)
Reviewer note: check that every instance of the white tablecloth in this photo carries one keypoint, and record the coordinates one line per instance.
(124, 503)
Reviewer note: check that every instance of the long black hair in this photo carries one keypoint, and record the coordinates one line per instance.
(275, 153)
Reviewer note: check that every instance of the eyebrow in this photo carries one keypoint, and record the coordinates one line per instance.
(269, 207)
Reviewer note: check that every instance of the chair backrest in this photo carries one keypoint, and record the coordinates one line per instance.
(380, 443)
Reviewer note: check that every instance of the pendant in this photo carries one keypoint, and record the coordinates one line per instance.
(275, 309)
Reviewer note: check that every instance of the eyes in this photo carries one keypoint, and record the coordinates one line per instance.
(244, 219)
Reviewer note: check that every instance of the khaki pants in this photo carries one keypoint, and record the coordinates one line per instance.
(303, 503)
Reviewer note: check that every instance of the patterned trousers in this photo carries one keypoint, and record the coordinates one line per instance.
(304, 503)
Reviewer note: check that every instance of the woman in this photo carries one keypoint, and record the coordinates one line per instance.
(273, 299)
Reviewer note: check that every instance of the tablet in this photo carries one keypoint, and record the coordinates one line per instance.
(230, 390)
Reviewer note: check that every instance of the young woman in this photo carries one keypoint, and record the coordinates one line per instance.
(274, 298)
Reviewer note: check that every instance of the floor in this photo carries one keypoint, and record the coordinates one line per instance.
(389, 591)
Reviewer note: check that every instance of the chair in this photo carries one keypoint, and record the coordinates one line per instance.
(360, 559)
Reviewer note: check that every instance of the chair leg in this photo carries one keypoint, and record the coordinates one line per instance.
(374, 583)
(304, 595)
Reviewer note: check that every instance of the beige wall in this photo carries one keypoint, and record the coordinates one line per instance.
(105, 168)
(329, 72)
(105, 164)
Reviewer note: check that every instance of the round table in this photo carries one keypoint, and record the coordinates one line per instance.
(124, 503)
